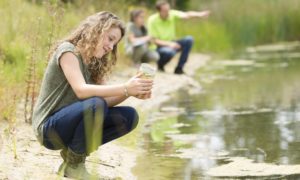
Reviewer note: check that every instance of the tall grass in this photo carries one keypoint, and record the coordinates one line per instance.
(233, 24)
(27, 31)
(19, 22)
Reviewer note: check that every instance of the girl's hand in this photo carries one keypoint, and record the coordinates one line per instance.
(146, 96)
(137, 86)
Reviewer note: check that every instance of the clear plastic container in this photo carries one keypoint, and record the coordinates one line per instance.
(147, 70)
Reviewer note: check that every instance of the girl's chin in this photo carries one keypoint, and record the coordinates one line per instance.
(99, 56)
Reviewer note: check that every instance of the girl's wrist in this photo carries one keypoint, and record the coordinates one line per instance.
(126, 93)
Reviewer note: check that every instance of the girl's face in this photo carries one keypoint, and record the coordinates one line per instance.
(140, 19)
(109, 39)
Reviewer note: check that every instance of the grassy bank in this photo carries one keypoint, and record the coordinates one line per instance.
(234, 25)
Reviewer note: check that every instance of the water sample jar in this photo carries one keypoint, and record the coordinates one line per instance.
(147, 70)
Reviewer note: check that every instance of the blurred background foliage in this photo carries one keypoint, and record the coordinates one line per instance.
(29, 27)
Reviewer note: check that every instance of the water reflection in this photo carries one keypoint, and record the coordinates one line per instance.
(255, 114)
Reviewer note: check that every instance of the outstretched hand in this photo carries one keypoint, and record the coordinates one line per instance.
(204, 14)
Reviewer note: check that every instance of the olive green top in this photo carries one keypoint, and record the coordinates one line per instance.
(55, 91)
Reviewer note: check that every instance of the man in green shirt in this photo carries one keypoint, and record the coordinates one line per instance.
(162, 26)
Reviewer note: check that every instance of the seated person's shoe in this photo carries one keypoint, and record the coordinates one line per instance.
(179, 71)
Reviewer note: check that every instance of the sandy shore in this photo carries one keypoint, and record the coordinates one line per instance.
(22, 157)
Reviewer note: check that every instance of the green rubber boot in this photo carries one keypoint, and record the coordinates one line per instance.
(73, 166)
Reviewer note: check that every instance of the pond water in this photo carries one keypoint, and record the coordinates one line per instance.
(246, 109)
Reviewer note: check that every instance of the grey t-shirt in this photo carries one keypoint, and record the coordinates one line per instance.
(55, 91)
(137, 32)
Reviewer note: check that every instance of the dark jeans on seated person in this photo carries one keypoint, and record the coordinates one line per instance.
(167, 53)
(84, 125)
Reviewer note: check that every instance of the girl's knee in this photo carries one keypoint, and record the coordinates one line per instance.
(135, 119)
(97, 103)
(132, 118)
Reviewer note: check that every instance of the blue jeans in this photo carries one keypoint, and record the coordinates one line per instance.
(84, 125)
(167, 53)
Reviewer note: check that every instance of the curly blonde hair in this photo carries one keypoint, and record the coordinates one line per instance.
(86, 37)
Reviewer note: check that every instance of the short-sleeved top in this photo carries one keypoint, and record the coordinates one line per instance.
(137, 32)
(55, 91)
(164, 29)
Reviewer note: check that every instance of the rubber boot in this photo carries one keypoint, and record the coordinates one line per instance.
(73, 165)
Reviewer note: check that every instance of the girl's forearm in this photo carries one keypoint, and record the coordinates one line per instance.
(90, 90)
